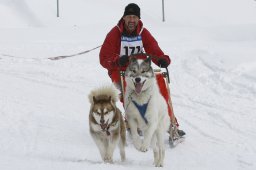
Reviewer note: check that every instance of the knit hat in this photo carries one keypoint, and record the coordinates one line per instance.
(132, 9)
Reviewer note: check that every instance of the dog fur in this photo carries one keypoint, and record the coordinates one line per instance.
(142, 88)
(107, 126)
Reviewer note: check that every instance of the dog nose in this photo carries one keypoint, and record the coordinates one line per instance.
(137, 79)
(102, 120)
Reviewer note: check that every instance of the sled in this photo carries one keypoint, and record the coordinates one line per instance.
(163, 82)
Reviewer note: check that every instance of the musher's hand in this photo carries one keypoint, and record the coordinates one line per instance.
(162, 63)
(123, 60)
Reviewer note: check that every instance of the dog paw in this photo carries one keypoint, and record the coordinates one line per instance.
(108, 159)
(158, 163)
(143, 148)
(137, 144)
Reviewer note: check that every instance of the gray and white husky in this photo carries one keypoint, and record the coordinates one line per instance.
(145, 108)
(106, 123)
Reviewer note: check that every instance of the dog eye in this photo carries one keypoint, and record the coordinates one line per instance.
(97, 113)
(143, 71)
(134, 71)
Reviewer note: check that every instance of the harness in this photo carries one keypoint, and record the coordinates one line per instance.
(141, 108)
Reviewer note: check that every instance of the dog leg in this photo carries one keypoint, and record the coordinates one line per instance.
(156, 156)
(160, 145)
(148, 136)
(122, 150)
(122, 140)
(112, 142)
(134, 134)
(108, 157)
(155, 149)
(161, 157)
(101, 145)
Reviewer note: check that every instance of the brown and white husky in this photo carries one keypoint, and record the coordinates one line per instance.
(107, 126)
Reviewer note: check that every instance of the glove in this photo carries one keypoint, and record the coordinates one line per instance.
(162, 63)
(123, 60)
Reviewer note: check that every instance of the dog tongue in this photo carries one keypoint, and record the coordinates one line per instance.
(138, 87)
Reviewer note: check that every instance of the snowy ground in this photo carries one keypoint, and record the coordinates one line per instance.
(44, 106)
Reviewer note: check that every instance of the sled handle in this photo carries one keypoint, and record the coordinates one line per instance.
(168, 76)
(122, 73)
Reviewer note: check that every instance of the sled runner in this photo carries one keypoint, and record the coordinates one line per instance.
(163, 82)
(174, 137)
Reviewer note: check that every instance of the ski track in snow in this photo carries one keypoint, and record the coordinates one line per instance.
(207, 105)
(210, 109)
(217, 90)
(40, 71)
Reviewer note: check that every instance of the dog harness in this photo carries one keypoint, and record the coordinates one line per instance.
(142, 109)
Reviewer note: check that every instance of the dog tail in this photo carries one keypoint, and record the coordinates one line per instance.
(104, 93)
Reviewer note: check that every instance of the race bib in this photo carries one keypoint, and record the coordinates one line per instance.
(131, 45)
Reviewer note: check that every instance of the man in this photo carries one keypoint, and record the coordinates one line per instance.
(126, 38)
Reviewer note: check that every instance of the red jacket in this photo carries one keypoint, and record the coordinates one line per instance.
(110, 50)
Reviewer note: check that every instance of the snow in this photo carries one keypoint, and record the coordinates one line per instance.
(44, 105)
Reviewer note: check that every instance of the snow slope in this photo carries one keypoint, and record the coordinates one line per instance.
(44, 106)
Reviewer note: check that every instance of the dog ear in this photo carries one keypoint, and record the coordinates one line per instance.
(94, 99)
(112, 103)
(109, 99)
(148, 60)
(132, 59)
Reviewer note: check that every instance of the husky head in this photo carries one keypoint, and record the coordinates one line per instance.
(139, 74)
(103, 111)
(103, 108)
